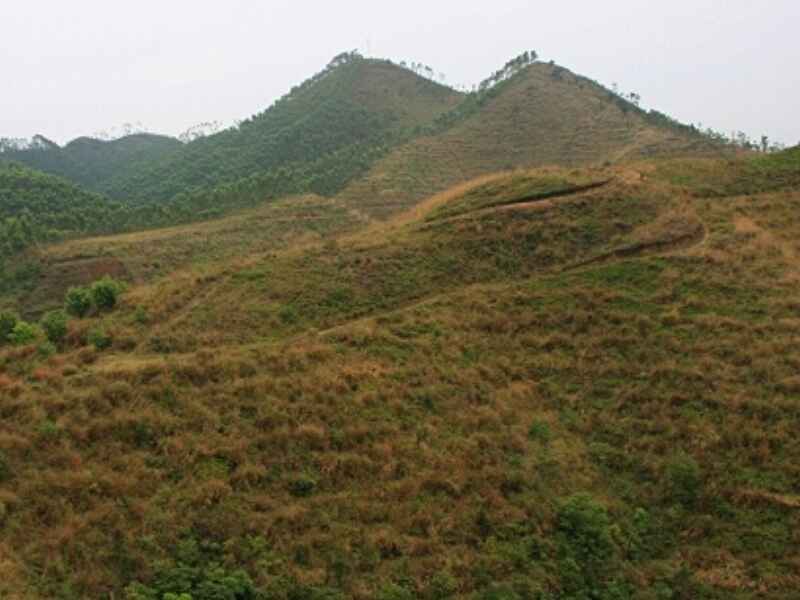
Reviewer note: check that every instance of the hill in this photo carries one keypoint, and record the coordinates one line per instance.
(36, 207)
(346, 110)
(91, 162)
(383, 137)
(543, 383)
(542, 115)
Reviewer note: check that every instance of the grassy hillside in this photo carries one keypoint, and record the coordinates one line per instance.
(543, 115)
(352, 106)
(144, 256)
(91, 162)
(549, 383)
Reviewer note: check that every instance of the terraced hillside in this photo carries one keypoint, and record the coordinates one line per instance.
(548, 383)
(544, 115)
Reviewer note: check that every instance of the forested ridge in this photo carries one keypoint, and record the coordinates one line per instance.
(92, 162)
(37, 207)
(351, 106)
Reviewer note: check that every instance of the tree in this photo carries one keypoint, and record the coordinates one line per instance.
(54, 325)
(78, 301)
(23, 334)
(105, 293)
(8, 321)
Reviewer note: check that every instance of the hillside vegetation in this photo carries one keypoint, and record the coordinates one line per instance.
(562, 382)
(36, 207)
(542, 115)
(90, 162)
(379, 134)
(352, 106)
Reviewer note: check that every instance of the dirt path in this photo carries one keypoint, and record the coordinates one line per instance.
(668, 244)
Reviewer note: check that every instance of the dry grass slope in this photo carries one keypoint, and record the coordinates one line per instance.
(595, 393)
(546, 116)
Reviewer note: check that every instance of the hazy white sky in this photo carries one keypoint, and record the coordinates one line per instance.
(76, 67)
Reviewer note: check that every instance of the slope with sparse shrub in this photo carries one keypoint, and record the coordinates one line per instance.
(543, 115)
(549, 383)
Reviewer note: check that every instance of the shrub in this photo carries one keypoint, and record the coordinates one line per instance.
(54, 325)
(140, 315)
(78, 302)
(105, 293)
(392, 591)
(24, 333)
(442, 586)
(99, 338)
(197, 573)
(684, 480)
(46, 349)
(586, 543)
(302, 486)
(8, 321)
(540, 431)
(499, 592)
(288, 314)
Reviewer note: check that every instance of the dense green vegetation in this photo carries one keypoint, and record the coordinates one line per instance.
(341, 115)
(91, 163)
(35, 208)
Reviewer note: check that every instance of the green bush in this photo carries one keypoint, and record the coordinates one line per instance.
(196, 573)
(186, 582)
(684, 480)
(392, 591)
(540, 431)
(54, 325)
(78, 302)
(46, 349)
(24, 333)
(8, 321)
(105, 293)
(442, 586)
(99, 338)
(586, 527)
(288, 314)
(302, 486)
(586, 544)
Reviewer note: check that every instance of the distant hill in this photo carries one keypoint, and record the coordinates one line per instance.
(91, 162)
(380, 136)
(543, 114)
(352, 106)
(37, 207)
